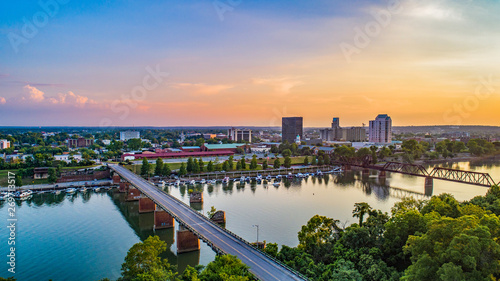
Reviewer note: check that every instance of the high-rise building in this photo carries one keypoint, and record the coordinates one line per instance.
(4, 144)
(240, 135)
(336, 123)
(127, 135)
(337, 133)
(291, 127)
(380, 130)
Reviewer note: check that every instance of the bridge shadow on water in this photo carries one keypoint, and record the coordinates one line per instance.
(142, 224)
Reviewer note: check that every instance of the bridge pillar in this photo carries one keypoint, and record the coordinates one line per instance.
(163, 220)
(146, 205)
(196, 197)
(116, 178)
(219, 217)
(133, 194)
(187, 241)
(382, 174)
(124, 186)
(429, 186)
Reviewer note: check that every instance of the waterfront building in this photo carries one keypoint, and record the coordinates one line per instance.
(337, 133)
(291, 127)
(380, 130)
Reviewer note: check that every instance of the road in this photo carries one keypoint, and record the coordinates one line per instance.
(263, 267)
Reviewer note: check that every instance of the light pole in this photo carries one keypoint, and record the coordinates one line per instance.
(256, 225)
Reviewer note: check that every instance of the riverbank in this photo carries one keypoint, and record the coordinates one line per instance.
(59, 186)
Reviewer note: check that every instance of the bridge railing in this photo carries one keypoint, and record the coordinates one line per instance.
(286, 267)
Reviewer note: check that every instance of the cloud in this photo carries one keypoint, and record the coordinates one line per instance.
(282, 85)
(202, 89)
(35, 94)
(2, 100)
(70, 98)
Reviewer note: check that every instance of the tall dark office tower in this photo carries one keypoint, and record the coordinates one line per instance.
(336, 123)
(291, 127)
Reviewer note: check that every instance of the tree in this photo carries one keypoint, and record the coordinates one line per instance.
(238, 165)
(166, 171)
(230, 161)
(226, 267)
(313, 161)
(288, 162)
(277, 163)
(265, 165)
(19, 181)
(306, 161)
(52, 175)
(318, 232)
(134, 144)
(145, 168)
(189, 165)
(143, 262)
(320, 161)
(326, 159)
(210, 166)
(360, 209)
(286, 152)
(243, 164)
(253, 163)
(201, 164)
(225, 166)
(196, 166)
(212, 212)
(182, 170)
(159, 167)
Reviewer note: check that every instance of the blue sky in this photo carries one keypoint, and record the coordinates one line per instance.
(263, 59)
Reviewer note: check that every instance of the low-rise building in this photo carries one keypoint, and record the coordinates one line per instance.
(79, 142)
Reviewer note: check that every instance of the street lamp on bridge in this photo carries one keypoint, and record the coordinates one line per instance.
(256, 225)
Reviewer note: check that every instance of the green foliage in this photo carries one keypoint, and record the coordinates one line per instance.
(226, 267)
(360, 209)
(182, 170)
(166, 171)
(159, 167)
(288, 162)
(265, 165)
(306, 161)
(210, 166)
(52, 175)
(143, 262)
(277, 163)
(18, 181)
(145, 168)
(318, 232)
(253, 163)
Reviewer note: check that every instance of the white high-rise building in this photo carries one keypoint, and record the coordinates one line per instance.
(127, 135)
(380, 130)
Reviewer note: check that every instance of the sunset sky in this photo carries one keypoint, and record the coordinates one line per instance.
(248, 63)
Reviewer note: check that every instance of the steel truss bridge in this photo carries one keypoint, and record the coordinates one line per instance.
(440, 173)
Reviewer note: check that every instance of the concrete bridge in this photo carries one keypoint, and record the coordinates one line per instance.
(194, 226)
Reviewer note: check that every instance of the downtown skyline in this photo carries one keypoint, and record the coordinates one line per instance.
(248, 63)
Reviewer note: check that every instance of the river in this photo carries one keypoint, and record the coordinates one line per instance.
(87, 236)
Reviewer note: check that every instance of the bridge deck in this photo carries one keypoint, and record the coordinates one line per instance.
(262, 266)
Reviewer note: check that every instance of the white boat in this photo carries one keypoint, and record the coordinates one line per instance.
(83, 189)
(225, 180)
(30, 192)
(20, 195)
(259, 177)
(276, 184)
(57, 192)
(5, 195)
(299, 175)
(177, 183)
(269, 177)
(242, 179)
(289, 176)
(97, 189)
(193, 182)
(319, 173)
(70, 190)
(203, 181)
